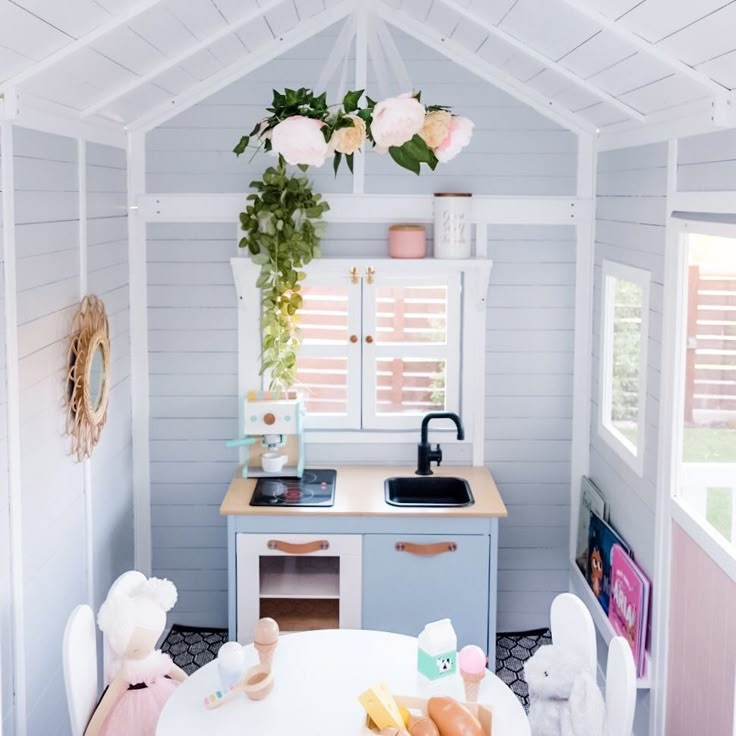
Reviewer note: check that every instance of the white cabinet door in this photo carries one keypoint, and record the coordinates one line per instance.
(304, 581)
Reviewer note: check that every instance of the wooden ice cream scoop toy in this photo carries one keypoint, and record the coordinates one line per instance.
(256, 683)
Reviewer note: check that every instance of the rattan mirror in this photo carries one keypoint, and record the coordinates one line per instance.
(88, 379)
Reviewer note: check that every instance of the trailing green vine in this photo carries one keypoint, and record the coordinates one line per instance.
(283, 226)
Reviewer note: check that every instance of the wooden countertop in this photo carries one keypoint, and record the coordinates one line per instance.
(359, 492)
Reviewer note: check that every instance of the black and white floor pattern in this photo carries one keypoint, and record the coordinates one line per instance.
(192, 647)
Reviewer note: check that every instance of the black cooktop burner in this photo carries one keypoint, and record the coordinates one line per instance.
(314, 488)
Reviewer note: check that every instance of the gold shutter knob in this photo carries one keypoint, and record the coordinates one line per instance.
(370, 272)
(354, 278)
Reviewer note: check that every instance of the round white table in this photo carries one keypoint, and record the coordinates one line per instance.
(318, 678)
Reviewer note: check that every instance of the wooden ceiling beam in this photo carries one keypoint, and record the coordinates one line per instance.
(472, 17)
(174, 61)
(643, 46)
(493, 75)
(304, 30)
(116, 22)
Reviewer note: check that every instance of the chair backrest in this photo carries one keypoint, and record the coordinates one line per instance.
(80, 667)
(620, 688)
(123, 584)
(573, 629)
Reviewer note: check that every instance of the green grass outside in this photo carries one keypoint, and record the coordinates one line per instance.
(709, 445)
(719, 511)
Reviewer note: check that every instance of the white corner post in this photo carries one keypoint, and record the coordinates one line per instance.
(13, 414)
(83, 288)
(139, 352)
(668, 409)
(584, 261)
(361, 81)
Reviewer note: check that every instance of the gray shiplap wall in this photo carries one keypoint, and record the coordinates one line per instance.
(193, 341)
(6, 634)
(107, 277)
(631, 220)
(707, 162)
(52, 492)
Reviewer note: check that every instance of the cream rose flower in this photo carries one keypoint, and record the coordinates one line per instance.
(300, 141)
(349, 140)
(396, 120)
(459, 135)
(436, 127)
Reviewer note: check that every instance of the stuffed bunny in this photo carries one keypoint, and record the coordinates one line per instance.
(564, 699)
(143, 677)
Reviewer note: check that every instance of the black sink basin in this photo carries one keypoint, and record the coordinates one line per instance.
(428, 491)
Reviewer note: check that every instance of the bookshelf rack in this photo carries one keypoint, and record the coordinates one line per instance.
(581, 588)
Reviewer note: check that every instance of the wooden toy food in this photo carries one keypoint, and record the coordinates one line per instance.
(381, 707)
(422, 726)
(391, 731)
(453, 719)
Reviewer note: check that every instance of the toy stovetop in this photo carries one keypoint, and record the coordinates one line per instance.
(316, 487)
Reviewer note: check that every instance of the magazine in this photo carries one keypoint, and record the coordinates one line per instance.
(591, 499)
(628, 609)
(601, 538)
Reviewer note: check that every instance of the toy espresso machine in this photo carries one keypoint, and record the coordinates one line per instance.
(273, 435)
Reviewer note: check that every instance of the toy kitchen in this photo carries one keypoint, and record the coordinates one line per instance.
(327, 548)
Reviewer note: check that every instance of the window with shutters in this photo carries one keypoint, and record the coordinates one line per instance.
(384, 342)
(379, 349)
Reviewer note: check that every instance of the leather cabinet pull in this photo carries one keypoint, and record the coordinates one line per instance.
(304, 548)
(426, 550)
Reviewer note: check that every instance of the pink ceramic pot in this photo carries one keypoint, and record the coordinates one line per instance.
(406, 241)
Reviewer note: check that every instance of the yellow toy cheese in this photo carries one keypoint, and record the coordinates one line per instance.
(381, 707)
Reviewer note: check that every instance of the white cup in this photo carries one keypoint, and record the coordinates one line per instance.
(272, 462)
(231, 663)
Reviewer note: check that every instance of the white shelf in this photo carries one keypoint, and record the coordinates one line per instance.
(605, 629)
(291, 576)
(323, 585)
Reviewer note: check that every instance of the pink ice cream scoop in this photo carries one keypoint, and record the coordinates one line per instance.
(472, 663)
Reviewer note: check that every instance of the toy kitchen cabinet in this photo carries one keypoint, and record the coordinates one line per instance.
(363, 564)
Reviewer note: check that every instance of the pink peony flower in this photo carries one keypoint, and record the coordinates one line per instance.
(461, 131)
(300, 141)
(396, 120)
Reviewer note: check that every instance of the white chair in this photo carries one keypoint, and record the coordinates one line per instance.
(123, 584)
(620, 688)
(573, 629)
(80, 667)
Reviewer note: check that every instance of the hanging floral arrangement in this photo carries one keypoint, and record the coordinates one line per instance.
(305, 131)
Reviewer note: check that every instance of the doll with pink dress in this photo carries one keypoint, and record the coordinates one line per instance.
(143, 677)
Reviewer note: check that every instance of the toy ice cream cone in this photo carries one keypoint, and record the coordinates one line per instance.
(471, 683)
(265, 640)
(472, 662)
(265, 652)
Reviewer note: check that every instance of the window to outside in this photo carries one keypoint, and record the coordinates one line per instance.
(624, 335)
(379, 353)
(707, 474)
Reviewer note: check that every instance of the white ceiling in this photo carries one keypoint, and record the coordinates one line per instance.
(591, 63)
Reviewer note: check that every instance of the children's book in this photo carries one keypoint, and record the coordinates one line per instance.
(628, 609)
(601, 538)
(591, 499)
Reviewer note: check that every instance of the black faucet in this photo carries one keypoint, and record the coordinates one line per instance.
(425, 453)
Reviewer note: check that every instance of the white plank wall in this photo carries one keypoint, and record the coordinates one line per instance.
(54, 561)
(107, 275)
(707, 162)
(55, 525)
(528, 409)
(192, 322)
(6, 633)
(631, 217)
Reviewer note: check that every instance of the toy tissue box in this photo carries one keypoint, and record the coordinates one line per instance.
(437, 655)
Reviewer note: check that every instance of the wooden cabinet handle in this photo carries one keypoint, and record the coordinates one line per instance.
(304, 548)
(353, 338)
(369, 339)
(426, 550)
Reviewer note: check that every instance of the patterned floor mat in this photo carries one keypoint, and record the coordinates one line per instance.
(192, 647)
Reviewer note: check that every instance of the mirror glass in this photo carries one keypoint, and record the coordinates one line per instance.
(96, 377)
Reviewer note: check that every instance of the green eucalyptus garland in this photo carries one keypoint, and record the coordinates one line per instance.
(283, 225)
